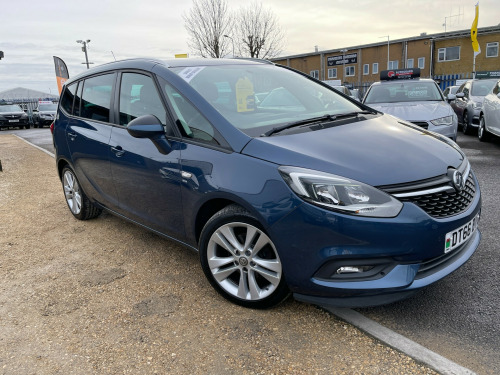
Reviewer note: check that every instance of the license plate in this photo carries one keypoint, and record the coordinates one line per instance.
(13, 120)
(457, 237)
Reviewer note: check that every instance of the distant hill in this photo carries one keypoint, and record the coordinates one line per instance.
(22, 93)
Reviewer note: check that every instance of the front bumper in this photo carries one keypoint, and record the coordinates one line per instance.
(475, 118)
(410, 245)
(45, 120)
(402, 274)
(8, 123)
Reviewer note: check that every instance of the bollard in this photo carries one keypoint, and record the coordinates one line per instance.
(1, 166)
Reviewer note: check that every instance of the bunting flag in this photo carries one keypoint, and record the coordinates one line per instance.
(473, 33)
(62, 74)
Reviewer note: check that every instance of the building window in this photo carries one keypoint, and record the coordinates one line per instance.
(375, 68)
(332, 73)
(366, 69)
(393, 64)
(492, 49)
(421, 62)
(314, 74)
(449, 54)
(349, 71)
(409, 64)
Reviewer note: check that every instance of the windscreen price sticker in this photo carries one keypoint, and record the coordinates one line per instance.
(459, 236)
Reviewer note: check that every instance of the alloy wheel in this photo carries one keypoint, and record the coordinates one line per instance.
(244, 261)
(72, 192)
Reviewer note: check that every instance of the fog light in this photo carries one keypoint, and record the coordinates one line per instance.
(353, 269)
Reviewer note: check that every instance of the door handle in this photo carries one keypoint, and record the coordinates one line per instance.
(118, 150)
(72, 136)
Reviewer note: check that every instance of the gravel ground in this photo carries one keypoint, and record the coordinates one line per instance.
(107, 297)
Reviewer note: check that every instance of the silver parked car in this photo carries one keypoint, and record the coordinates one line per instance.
(403, 94)
(489, 117)
(469, 100)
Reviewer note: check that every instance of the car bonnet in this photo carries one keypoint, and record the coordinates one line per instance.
(415, 111)
(380, 151)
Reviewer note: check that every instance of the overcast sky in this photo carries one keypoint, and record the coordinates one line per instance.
(32, 32)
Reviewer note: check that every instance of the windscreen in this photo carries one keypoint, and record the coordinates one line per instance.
(47, 107)
(257, 97)
(10, 108)
(403, 91)
(482, 88)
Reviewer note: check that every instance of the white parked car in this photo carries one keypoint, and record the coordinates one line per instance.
(489, 118)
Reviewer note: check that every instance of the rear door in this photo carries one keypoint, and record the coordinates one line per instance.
(87, 135)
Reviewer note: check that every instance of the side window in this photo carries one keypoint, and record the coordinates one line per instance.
(138, 97)
(466, 90)
(78, 99)
(191, 123)
(96, 97)
(67, 98)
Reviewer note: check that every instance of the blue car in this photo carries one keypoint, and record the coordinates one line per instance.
(282, 184)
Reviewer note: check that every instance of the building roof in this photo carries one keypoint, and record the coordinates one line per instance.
(23, 93)
(422, 36)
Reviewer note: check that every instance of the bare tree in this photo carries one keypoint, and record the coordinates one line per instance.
(259, 32)
(207, 22)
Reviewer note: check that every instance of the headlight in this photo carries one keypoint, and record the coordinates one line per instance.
(339, 193)
(477, 105)
(448, 120)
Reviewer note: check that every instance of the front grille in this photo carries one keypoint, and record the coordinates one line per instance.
(445, 204)
(422, 124)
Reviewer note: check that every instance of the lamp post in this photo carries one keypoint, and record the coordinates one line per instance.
(84, 49)
(232, 41)
(387, 36)
(343, 63)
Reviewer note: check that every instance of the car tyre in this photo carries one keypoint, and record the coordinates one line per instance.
(466, 128)
(240, 260)
(78, 203)
(482, 133)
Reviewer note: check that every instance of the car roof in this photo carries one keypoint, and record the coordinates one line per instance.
(149, 63)
(414, 80)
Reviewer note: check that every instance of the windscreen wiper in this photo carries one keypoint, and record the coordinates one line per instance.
(313, 120)
(289, 125)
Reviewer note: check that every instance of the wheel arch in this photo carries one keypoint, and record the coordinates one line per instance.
(214, 205)
(61, 163)
(206, 211)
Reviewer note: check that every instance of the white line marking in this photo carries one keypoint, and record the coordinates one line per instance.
(399, 342)
(35, 146)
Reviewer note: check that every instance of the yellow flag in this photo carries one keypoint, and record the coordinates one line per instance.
(473, 33)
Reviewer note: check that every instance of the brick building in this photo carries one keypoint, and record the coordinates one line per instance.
(447, 56)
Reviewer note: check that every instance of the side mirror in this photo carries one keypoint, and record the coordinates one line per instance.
(148, 126)
(460, 95)
(451, 97)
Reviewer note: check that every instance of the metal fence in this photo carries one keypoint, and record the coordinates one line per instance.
(447, 80)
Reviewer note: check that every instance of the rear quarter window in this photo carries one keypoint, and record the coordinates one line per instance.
(68, 97)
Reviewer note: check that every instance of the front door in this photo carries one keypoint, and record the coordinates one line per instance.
(146, 179)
